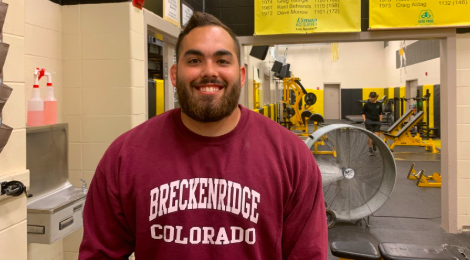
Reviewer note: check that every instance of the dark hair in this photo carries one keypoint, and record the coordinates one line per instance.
(203, 19)
(373, 95)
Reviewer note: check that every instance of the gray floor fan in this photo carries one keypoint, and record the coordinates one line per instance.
(355, 184)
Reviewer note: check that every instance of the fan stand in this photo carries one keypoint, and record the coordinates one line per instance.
(366, 220)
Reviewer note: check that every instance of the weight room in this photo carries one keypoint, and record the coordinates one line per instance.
(109, 63)
(407, 77)
(339, 75)
(408, 71)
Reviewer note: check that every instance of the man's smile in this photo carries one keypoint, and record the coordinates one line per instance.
(208, 89)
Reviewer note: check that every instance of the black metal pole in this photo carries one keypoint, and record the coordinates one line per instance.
(428, 97)
(401, 104)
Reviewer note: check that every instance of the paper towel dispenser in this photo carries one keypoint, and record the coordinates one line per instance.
(56, 209)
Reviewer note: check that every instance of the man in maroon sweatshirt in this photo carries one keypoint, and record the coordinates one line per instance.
(212, 180)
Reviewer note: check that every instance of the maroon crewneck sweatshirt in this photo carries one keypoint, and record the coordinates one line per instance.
(164, 192)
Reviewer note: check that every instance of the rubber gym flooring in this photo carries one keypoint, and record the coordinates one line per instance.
(412, 214)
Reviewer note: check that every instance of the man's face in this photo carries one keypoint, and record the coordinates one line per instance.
(207, 76)
(373, 99)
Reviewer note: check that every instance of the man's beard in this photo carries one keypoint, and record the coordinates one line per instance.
(203, 108)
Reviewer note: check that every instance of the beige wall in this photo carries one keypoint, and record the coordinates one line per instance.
(312, 64)
(43, 46)
(463, 130)
(43, 49)
(97, 54)
(104, 94)
(13, 157)
(104, 79)
(415, 71)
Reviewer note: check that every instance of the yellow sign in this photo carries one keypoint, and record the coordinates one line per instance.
(307, 16)
(389, 14)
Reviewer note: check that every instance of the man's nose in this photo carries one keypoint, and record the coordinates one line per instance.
(209, 70)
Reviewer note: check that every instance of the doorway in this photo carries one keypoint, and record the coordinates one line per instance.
(331, 101)
(411, 87)
(448, 91)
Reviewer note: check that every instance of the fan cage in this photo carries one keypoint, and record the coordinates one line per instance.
(374, 176)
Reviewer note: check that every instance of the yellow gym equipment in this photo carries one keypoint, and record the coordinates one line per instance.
(317, 119)
(269, 111)
(272, 114)
(160, 96)
(256, 96)
(412, 173)
(156, 97)
(297, 120)
(266, 111)
(405, 138)
(424, 180)
(294, 119)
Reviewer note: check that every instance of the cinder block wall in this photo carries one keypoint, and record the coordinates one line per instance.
(97, 54)
(103, 85)
(43, 49)
(463, 130)
(13, 157)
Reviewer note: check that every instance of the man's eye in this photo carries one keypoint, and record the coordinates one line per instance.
(223, 61)
(193, 61)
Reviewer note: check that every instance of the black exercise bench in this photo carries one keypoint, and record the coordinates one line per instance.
(397, 125)
(389, 251)
(404, 136)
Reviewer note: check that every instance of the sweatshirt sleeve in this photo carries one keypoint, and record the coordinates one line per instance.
(305, 232)
(106, 232)
(364, 108)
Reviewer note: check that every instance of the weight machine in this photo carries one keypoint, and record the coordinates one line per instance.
(399, 107)
(423, 127)
(293, 119)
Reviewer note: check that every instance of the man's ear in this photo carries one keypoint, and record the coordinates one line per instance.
(242, 76)
(173, 75)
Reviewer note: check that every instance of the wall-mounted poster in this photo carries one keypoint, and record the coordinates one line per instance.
(186, 13)
(171, 11)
